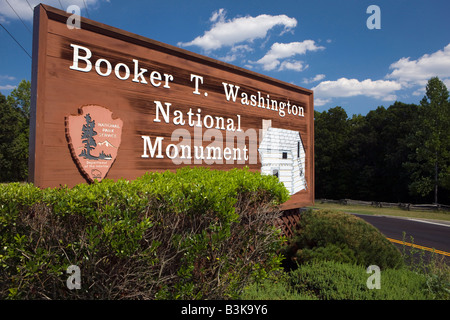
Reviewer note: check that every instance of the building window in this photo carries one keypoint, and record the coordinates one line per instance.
(275, 173)
(284, 155)
(298, 149)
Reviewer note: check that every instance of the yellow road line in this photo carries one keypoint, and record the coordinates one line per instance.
(419, 247)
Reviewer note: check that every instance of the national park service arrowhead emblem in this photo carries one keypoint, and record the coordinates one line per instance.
(94, 138)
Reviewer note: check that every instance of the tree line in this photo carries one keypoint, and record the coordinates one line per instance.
(14, 133)
(395, 154)
(398, 154)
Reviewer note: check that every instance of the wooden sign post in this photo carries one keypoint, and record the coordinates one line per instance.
(107, 103)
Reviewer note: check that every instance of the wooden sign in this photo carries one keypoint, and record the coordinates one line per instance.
(107, 103)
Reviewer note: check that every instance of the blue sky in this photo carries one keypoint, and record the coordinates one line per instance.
(324, 45)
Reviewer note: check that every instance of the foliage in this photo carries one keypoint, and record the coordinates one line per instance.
(14, 131)
(277, 287)
(438, 279)
(362, 157)
(435, 268)
(430, 159)
(336, 236)
(330, 280)
(332, 167)
(193, 234)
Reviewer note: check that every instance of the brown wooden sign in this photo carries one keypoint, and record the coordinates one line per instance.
(107, 103)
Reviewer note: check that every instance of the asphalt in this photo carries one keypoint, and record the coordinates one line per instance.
(431, 234)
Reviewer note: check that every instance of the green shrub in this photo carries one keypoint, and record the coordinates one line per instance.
(438, 278)
(275, 288)
(435, 268)
(330, 280)
(193, 234)
(336, 236)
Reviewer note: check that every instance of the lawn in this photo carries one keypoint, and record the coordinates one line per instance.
(433, 215)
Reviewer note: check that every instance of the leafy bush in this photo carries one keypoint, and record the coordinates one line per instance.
(336, 236)
(438, 278)
(193, 234)
(435, 268)
(277, 287)
(330, 280)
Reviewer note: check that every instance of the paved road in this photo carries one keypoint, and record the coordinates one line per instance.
(430, 234)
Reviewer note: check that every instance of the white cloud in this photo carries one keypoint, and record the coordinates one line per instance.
(314, 79)
(7, 87)
(20, 6)
(230, 32)
(320, 102)
(229, 58)
(292, 65)
(6, 77)
(447, 83)
(343, 87)
(236, 52)
(280, 51)
(418, 72)
(24, 9)
(241, 48)
(406, 74)
(218, 15)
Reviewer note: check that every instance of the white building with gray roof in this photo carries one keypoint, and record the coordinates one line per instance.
(283, 155)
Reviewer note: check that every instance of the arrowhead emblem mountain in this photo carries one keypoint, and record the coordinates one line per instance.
(94, 138)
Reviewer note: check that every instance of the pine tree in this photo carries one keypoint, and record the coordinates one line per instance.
(432, 152)
(87, 135)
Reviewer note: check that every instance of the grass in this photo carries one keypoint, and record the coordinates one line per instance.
(433, 215)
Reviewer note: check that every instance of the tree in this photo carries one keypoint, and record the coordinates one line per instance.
(431, 145)
(87, 135)
(378, 150)
(14, 133)
(20, 98)
(401, 120)
(366, 148)
(362, 157)
(332, 170)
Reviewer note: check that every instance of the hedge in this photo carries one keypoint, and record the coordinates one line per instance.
(191, 234)
(337, 236)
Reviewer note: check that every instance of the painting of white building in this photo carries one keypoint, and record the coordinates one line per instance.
(283, 155)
